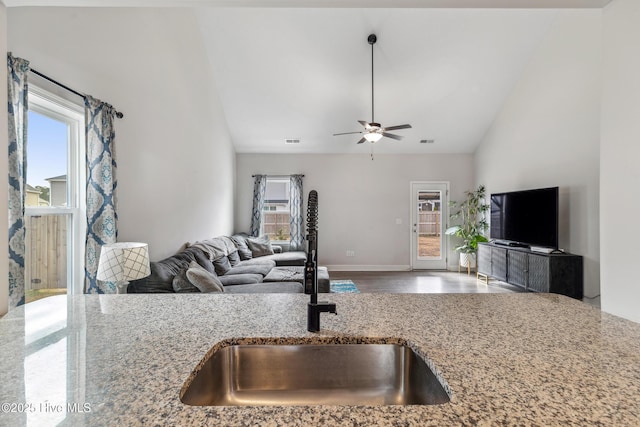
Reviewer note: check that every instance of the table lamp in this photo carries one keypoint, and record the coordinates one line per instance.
(123, 261)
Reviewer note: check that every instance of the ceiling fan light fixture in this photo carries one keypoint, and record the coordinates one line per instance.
(372, 136)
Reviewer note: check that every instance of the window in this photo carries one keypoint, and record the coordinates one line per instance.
(54, 202)
(276, 212)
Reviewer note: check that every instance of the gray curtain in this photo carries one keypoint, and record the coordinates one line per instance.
(259, 189)
(101, 189)
(296, 198)
(17, 71)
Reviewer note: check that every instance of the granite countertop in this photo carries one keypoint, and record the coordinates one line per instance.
(509, 359)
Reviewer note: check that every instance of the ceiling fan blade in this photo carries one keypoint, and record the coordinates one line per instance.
(392, 136)
(361, 141)
(345, 133)
(365, 124)
(398, 127)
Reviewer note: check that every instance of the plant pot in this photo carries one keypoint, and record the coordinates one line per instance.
(468, 260)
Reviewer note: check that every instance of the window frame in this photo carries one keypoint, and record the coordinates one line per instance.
(277, 179)
(46, 103)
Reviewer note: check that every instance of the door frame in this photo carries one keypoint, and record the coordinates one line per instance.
(443, 263)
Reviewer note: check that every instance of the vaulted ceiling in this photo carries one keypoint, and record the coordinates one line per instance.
(306, 73)
(287, 72)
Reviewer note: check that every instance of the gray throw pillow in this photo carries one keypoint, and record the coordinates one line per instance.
(203, 280)
(181, 284)
(260, 246)
(234, 258)
(222, 265)
(241, 243)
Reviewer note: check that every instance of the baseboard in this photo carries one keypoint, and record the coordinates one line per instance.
(369, 267)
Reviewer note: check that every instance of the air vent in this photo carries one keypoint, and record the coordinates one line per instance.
(292, 141)
(427, 141)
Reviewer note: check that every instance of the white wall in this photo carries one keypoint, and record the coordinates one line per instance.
(175, 157)
(4, 142)
(359, 200)
(619, 154)
(547, 134)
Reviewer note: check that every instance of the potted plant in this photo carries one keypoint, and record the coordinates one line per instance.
(470, 213)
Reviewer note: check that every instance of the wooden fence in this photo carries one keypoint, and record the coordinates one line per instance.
(429, 223)
(276, 224)
(46, 252)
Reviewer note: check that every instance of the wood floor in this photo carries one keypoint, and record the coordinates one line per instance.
(421, 282)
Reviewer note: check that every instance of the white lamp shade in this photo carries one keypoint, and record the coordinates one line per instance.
(123, 261)
(372, 136)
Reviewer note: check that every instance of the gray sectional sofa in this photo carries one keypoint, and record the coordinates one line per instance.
(241, 264)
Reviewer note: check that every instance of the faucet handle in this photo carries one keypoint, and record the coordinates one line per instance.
(328, 307)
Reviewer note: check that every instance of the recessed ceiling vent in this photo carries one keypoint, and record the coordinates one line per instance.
(427, 141)
(292, 141)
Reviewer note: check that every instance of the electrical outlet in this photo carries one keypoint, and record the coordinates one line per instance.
(351, 253)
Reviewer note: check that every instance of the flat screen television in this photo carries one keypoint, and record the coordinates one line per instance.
(527, 217)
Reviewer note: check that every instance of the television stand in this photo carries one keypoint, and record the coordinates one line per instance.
(532, 271)
(510, 244)
(518, 245)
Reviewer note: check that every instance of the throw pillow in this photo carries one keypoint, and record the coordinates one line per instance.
(203, 280)
(181, 284)
(234, 258)
(222, 265)
(241, 244)
(260, 246)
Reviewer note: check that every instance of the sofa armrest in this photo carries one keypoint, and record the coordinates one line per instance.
(276, 249)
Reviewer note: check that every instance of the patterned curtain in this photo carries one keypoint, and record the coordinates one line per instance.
(101, 189)
(296, 198)
(259, 189)
(17, 72)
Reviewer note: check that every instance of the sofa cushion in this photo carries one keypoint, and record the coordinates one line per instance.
(203, 280)
(262, 288)
(234, 258)
(182, 284)
(260, 246)
(241, 243)
(253, 261)
(240, 279)
(295, 258)
(261, 268)
(222, 265)
(296, 274)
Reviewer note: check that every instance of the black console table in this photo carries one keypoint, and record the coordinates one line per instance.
(560, 273)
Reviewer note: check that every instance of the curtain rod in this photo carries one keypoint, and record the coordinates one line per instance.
(279, 176)
(75, 92)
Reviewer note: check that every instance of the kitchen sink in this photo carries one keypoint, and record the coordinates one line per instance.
(314, 374)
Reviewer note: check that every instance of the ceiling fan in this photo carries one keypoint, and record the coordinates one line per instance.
(373, 131)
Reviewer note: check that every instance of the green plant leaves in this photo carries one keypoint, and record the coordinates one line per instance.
(471, 215)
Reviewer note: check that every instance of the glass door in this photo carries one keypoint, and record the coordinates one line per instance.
(428, 220)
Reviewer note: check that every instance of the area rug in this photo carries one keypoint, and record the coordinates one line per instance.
(343, 287)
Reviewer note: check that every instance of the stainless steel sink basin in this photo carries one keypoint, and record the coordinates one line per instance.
(314, 374)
